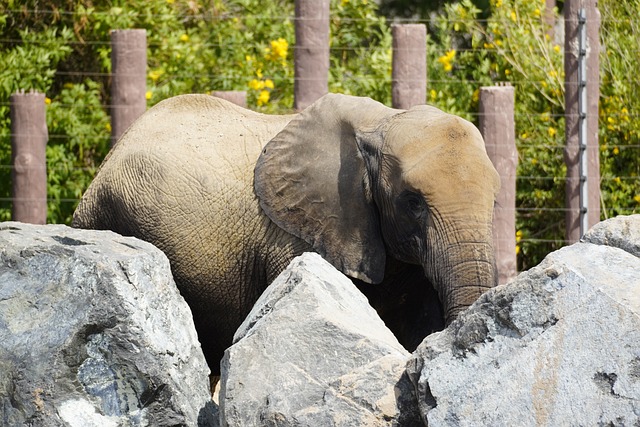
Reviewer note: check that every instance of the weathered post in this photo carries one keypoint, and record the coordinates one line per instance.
(582, 90)
(497, 125)
(129, 79)
(29, 137)
(409, 65)
(311, 54)
(238, 97)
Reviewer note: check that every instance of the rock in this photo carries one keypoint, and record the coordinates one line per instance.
(93, 332)
(558, 346)
(621, 232)
(313, 352)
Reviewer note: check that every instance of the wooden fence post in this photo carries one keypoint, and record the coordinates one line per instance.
(409, 65)
(311, 54)
(29, 137)
(238, 97)
(129, 81)
(574, 118)
(497, 125)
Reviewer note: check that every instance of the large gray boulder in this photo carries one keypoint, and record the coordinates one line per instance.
(559, 346)
(93, 332)
(313, 352)
(620, 232)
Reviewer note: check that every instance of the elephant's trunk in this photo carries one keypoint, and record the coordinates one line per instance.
(469, 280)
(467, 270)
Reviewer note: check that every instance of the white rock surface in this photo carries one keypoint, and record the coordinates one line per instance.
(93, 332)
(560, 346)
(312, 352)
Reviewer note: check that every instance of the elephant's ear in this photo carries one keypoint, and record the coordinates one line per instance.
(312, 181)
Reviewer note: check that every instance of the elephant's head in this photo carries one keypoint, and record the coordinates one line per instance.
(360, 182)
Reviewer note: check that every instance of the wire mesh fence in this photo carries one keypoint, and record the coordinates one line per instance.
(535, 151)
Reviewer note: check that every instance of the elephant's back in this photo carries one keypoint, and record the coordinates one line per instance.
(205, 127)
(187, 162)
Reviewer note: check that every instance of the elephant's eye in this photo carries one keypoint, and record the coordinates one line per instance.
(413, 204)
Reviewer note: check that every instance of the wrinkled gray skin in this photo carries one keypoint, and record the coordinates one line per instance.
(400, 201)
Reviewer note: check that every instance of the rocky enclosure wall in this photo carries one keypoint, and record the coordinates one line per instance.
(94, 332)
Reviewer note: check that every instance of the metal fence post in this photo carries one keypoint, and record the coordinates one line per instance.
(311, 54)
(582, 91)
(29, 137)
(409, 65)
(497, 125)
(129, 81)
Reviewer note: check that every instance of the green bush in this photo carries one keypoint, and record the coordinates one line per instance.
(62, 48)
(619, 103)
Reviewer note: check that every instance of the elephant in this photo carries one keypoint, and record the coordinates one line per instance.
(400, 201)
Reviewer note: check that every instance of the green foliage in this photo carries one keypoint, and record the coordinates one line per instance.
(619, 97)
(360, 51)
(62, 48)
(79, 135)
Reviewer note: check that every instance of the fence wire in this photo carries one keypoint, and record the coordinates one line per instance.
(554, 144)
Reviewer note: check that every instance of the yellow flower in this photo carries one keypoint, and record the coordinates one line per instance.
(517, 249)
(259, 73)
(475, 97)
(263, 97)
(148, 95)
(507, 72)
(154, 75)
(47, 101)
(637, 198)
(513, 16)
(488, 45)
(268, 84)
(611, 120)
(536, 12)
(68, 86)
(184, 38)
(498, 3)
(557, 48)
(343, 2)
(248, 58)
(107, 126)
(552, 131)
(616, 151)
(433, 95)
(534, 161)
(518, 235)
(171, 1)
(524, 135)
(446, 60)
(617, 180)
(278, 50)
(256, 84)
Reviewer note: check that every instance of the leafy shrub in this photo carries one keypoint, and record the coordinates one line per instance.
(62, 48)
